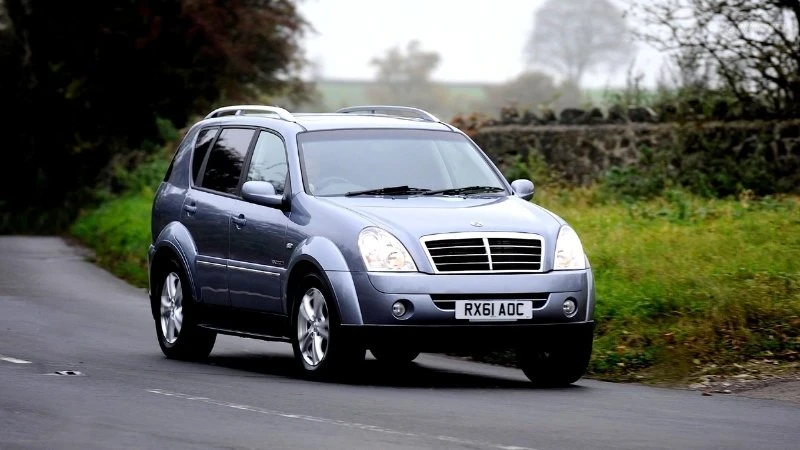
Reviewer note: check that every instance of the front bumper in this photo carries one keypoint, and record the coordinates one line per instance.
(472, 337)
(367, 298)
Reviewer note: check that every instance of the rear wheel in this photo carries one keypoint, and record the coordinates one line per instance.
(394, 355)
(559, 365)
(320, 347)
(175, 313)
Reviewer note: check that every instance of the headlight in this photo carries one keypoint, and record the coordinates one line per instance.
(382, 252)
(569, 251)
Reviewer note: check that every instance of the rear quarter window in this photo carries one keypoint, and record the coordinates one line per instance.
(204, 140)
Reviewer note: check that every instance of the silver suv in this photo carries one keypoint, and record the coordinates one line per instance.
(375, 228)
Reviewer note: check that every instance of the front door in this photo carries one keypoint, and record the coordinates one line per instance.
(256, 263)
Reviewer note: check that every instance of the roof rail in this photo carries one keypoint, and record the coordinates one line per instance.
(239, 110)
(402, 111)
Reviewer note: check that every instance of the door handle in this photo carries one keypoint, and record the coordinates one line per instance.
(239, 220)
(190, 208)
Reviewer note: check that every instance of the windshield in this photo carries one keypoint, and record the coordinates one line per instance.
(339, 162)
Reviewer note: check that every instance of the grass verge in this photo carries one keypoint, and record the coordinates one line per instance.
(119, 233)
(682, 282)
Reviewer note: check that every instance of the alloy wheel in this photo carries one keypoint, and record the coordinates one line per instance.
(171, 308)
(313, 327)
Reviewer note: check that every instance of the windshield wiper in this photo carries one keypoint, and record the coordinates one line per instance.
(466, 190)
(390, 190)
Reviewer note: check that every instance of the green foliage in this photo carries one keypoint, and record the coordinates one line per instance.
(711, 161)
(681, 277)
(118, 229)
(87, 88)
(533, 167)
(650, 177)
(119, 233)
(144, 179)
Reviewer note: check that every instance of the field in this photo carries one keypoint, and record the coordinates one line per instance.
(340, 93)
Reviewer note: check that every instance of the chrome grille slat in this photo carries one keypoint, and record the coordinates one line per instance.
(462, 263)
(480, 259)
(484, 252)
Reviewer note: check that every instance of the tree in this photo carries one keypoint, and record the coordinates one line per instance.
(405, 79)
(530, 90)
(576, 36)
(85, 84)
(751, 46)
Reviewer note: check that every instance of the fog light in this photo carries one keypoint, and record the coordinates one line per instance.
(570, 307)
(398, 309)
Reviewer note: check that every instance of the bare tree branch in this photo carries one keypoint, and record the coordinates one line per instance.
(753, 44)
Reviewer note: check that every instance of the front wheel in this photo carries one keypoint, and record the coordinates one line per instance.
(559, 365)
(320, 347)
(176, 323)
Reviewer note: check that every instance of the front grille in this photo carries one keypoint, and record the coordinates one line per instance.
(447, 302)
(486, 252)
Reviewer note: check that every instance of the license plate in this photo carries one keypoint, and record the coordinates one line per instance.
(494, 309)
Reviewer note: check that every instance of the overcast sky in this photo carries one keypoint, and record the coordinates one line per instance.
(478, 40)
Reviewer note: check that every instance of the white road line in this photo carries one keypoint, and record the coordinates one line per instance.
(342, 423)
(13, 360)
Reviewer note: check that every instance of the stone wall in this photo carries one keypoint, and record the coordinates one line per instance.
(727, 156)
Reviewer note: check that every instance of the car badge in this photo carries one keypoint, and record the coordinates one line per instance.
(476, 224)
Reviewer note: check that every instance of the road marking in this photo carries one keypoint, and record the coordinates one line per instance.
(13, 360)
(342, 423)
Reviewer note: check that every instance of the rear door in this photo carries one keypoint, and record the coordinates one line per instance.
(258, 233)
(208, 205)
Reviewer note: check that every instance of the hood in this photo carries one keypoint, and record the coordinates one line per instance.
(420, 216)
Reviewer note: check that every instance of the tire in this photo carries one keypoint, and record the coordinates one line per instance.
(321, 349)
(175, 314)
(394, 355)
(556, 366)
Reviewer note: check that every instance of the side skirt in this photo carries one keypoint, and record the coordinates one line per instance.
(245, 323)
(245, 334)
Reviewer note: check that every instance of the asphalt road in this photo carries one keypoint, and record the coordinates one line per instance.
(59, 313)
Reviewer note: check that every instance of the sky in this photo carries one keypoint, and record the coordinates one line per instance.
(478, 40)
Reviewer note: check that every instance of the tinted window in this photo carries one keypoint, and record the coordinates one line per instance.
(180, 153)
(201, 149)
(335, 162)
(465, 166)
(224, 166)
(269, 161)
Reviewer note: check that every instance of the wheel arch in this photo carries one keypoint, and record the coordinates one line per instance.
(321, 256)
(174, 242)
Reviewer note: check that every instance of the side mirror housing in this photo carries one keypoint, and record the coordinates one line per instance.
(523, 189)
(262, 193)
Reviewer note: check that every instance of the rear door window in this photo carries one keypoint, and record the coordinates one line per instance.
(223, 170)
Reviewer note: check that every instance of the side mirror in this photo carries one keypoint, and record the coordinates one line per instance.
(523, 189)
(262, 193)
